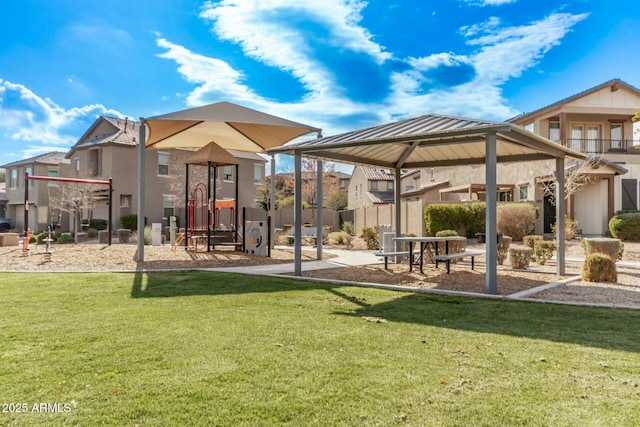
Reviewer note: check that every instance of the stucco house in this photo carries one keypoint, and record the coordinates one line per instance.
(598, 122)
(53, 164)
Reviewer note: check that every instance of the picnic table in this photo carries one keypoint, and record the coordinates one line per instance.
(425, 242)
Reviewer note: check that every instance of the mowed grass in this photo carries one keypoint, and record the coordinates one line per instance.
(204, 348)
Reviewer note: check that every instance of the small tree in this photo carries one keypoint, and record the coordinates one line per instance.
(71, 198)
(338, 200)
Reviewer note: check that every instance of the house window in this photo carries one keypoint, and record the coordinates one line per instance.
(168, 205)
(530, 127)
(616, 135)
(258, 174)
(13, 178)
(389, 185)
(524, 192)
(374, 185)
(227, 173)
(76, 163)
(504, 196)
(343, 184)
(125, 200)
(554, 131)
(163, 164)
(409, 186)
(52, 173)
(95, 162)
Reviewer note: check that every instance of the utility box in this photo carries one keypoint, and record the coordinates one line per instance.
(156, 234)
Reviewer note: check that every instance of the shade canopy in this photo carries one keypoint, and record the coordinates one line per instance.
(211, 155)
(430, 141)
(231, 126)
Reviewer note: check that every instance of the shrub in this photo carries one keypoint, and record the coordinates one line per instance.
(625, 226)
(338, 237)
(611, 247)
(467, 219)
(92, 233)
(347, 227)
(599, 268)
(98, 224)
(519, 257)
(131, 221)
(65, 238)
(40, 238)
(503, 249)
(530, 241)
(371, 236)
(516, 219)
(543, 250)
(570, 228)
(148, 235)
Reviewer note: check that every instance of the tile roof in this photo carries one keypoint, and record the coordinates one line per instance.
(125, 132)
(378, 197)
(377, 174)
(52, 158)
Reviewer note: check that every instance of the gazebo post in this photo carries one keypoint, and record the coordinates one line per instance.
(560, 213)
(319, 197)
(491, 286)
(397, 207)
(297, 216)
(141, 184)
(272, 202)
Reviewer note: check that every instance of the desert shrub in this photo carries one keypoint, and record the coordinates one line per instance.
(338, 238)
(519, 257)
(65, 238)
(348, 228)
(503, 249)
(599, 268)
(131, 221)
(543, 250)
(625, 226)
(92, 233)
(371, 236)
(570, 228)
(467, 219)
(614, 248)
(530, 241)
(516, 219)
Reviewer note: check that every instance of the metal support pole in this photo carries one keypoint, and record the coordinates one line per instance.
(110, 226)
(141, 184)
(209, 202)
(272, 201)
(186, 207)
(297, 216)
(319, 197)
(397, 208)
(561, 210)
(26, 201)
(491, 286)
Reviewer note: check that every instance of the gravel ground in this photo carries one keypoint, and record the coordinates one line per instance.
(122, 257)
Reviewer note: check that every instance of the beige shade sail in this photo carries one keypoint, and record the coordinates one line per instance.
(211, 155)
(231, 126)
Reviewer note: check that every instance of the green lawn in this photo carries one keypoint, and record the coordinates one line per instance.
(219, 349)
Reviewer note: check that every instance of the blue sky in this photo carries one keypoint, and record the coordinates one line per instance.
(335, 64)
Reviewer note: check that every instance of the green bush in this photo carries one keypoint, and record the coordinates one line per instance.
(98, 224)
(467, 219)
(65, 238)
(516, 219)
(92, 233)
(570, 228)
(625, 226)
(599, 268)
(131, 221)
(530, 241)
(40, 237)
(519, 257)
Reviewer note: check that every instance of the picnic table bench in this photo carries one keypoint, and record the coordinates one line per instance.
(386, 256)
(448, 257)
(310, 233)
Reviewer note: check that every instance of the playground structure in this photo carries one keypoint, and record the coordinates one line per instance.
(108, 183)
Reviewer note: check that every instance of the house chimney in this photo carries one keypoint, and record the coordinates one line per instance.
(126, 119)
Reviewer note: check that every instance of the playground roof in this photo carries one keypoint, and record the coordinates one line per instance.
(212, 154)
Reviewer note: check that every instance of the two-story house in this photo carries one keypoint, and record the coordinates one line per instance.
(598, 122)
(52, 164)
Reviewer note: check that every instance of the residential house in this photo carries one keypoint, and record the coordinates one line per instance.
(598, 122)
(52, 164)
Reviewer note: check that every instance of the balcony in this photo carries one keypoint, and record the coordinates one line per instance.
(602, 146)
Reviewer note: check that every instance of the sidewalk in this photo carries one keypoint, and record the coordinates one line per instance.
(343, 258)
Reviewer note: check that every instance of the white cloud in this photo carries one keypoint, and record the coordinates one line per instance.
(29, 118)
(484, 3)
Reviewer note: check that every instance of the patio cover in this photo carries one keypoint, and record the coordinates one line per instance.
(231, 126)
(433, 141)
